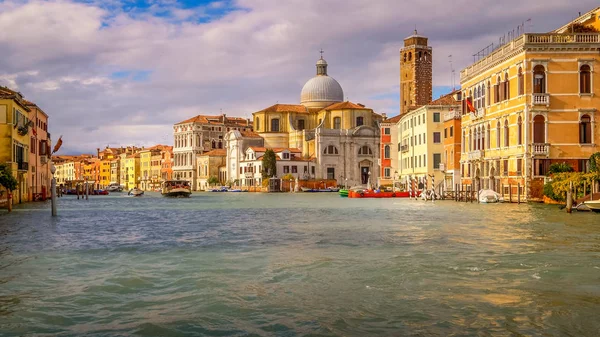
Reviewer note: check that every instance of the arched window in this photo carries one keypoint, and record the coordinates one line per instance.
(275, 125)
(214, 144)
(506, 87)
(257, 124)
(220, 144)
(360, 121)
(420, 54)
(497, 90)
(470, 140)
(539, 129)
(506, 133)
(520, 131)
(539, 79)
(520, 82)
(409, 56)
(365, 150)
(585, 130)
(337, 122)
(488, 138)
(482, 104)
(404, 57)
(585, 79)
(489, 93)
(386, 152)
(331, 150)
(498, 134)
(462, 143)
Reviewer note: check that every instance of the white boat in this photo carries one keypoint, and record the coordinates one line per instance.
(593, 205)
(176, 188)
(114, 187)
(135, 192)
(328, 189)
(490, 196)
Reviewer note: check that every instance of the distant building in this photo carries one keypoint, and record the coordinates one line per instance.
(39, 170)
(203, 133)
(416, 72)
(208, 166)
(389, 148)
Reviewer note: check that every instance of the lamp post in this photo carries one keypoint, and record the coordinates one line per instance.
(369, 180)
(53, 187)
(394, 181)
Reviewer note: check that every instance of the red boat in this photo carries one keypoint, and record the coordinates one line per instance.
(374, 194)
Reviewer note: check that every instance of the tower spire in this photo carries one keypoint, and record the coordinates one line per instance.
(321, 65)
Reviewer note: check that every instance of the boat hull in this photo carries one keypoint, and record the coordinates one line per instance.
(594, 206)
(372, 194)
(177, 193)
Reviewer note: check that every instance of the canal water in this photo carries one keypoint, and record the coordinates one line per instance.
(240, 264)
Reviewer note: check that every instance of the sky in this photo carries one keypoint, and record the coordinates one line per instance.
(122, 72)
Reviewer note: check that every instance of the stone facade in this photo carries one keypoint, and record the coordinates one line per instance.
(416, 73)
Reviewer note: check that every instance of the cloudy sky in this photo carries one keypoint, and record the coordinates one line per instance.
(121, 72)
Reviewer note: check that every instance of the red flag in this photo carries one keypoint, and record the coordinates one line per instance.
(58, 144)
(470, 106)
(34, 132)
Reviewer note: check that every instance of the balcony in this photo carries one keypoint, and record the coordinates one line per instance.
(442, 167)
(22, 166)
(475, 155)
(540, 99)
(540, 149)
(404, 148)
(450, 115)
(477, 114)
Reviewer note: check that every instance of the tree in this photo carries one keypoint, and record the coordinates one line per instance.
(269, 164)
(559, 168)
(213, 181)
(8, 181)
(580, 28)
(595, 162)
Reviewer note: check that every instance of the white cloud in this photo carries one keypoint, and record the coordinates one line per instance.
(63, 55)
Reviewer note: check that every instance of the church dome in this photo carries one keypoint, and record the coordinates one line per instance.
(321, 90)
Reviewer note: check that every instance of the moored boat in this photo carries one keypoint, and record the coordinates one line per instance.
(593, 205)
(176, 188)
(343, 193)
(114, 187)
(328, 189)
(376, 194)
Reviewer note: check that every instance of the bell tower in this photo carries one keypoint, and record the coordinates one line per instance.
(416, 83)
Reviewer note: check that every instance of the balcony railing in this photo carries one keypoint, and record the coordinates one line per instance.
(22, 166)
(541, 99)
(475, 155)
(450, 115)
(442, 167)
(404, 148)
(540, 149)
(477, 114)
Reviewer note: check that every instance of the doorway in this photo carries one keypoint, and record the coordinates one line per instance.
(364, 174)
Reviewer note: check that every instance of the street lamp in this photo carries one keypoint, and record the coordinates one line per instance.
(394, 181)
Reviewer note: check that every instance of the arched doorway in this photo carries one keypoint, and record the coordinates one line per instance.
(477, 180)
(365, 171)
(492, 180)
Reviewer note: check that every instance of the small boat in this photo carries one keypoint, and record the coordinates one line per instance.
(235, 190)
(593, 205)
(220, 189)
(344, 193)
(489, 197)
(379, 194)
(328, 189)
(176, 188)
(114, 188)
(135, 192)
(100, 192)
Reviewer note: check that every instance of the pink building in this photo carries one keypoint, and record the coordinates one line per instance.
(39, 171)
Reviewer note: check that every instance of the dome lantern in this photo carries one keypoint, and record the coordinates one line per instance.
(321, 90)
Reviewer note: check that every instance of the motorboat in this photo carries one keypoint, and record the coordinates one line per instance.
(114, 187)
(379, 194)
(135, 192)
(176, 188)
(489, 197)
(220, 189)
(99, 192)
(593, 205)
(328, 189)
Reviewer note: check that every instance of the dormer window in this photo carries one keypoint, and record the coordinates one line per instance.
(286, 155)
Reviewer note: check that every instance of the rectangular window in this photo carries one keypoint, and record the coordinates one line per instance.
(424, 138)
(419, 161)
(452, 131)
(437, 138)
(424, 160)
(436, 117)
(386, 131)
(337, 123)
(286, 169)
(294, 169)
(445, 133)
(275, 125)
(386, 172)
(359, 121)
(437, 159)
(505, 168)
(330, 173)
(286, 155)
(300, 124)
(305, 169)
(519, 166)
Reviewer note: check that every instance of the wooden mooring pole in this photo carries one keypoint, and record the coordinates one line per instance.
(570, 197)
(518, 193)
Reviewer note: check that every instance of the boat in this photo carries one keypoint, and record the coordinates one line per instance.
(176, 188)
(135, 192)
(328, 189)
(378, 194)
(220, 189)
(593, 205)
(489, 197)
(99, 192)
(114, 187)
(343, 193)
(235, 190)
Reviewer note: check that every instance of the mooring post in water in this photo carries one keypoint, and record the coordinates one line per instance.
(77, 191)
(570, 197)
(87, 190)
(510, 193)
(518, 193)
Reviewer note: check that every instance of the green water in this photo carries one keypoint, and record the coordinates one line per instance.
(240, 264)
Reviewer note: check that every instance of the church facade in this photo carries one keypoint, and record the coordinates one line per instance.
(340, 138)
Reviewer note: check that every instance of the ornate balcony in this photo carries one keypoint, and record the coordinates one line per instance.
(477, 114)
(450, 115)
(475, 155)
(22, 166)
(540, 149)
(540, 99)
(404, 148)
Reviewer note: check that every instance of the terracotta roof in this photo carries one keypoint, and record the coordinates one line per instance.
(286, 108)
(6, 93)
(447, 99)
(291, 159)
(345, 105)
(218, 119)
(216, 153)
(276, 150)
(249, 134)
(392, 120)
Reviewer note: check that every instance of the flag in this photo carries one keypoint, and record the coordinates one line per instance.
(470, 106)
(34, 131)
(58, 144)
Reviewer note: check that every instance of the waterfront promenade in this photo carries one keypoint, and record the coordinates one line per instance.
(244, 264)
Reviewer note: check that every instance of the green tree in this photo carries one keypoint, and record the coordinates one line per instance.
(213, 181)
(559, 168)
(8, 181)
(269, 164)
(595, 162)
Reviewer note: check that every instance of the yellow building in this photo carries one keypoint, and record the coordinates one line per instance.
(155, 168)
(145, 169)
(534, 102)
(421, 134)
(15, 139)
(131, 169)
(208, 165)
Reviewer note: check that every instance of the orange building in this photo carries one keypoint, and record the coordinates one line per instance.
(452, 145)
(166, 171)
(389, 151)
